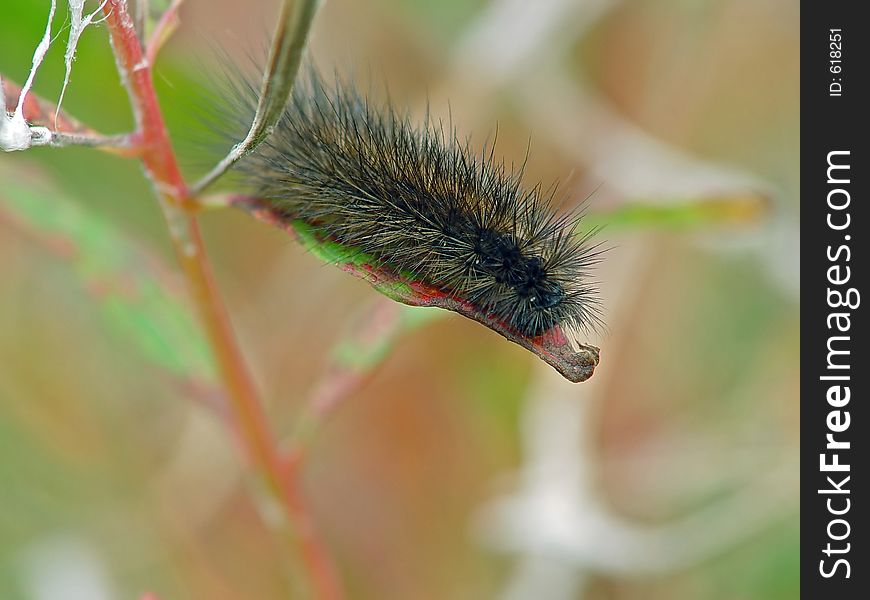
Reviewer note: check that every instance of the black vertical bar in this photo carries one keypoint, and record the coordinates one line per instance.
(835, 122)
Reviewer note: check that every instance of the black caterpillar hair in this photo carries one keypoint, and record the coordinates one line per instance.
(419, 201)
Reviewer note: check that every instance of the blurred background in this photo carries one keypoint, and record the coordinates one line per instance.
(459, 466)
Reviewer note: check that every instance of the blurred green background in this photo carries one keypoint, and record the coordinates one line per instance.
(463, 468)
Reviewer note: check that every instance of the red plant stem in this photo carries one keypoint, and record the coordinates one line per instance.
(158, 158)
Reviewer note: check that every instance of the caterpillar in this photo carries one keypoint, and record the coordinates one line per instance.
(417, 200)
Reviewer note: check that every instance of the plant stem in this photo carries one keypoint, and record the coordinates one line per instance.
(285, 57)
(158, 158)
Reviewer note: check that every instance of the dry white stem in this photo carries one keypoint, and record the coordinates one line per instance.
(38, 56)
(78, 23)
(15, 133)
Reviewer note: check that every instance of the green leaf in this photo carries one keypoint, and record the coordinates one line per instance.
(681, 215)
(138, 296)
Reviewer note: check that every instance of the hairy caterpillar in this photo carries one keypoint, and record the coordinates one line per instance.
(419, 202)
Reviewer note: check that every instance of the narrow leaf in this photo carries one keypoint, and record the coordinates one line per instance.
(288, 46)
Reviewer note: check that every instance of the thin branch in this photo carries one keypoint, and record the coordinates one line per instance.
(354, 360)
(141, 17)
(164, 29)
(59, 139)
(78, 23)
(285, 57)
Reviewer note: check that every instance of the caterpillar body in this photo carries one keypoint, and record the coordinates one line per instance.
(419, 201)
